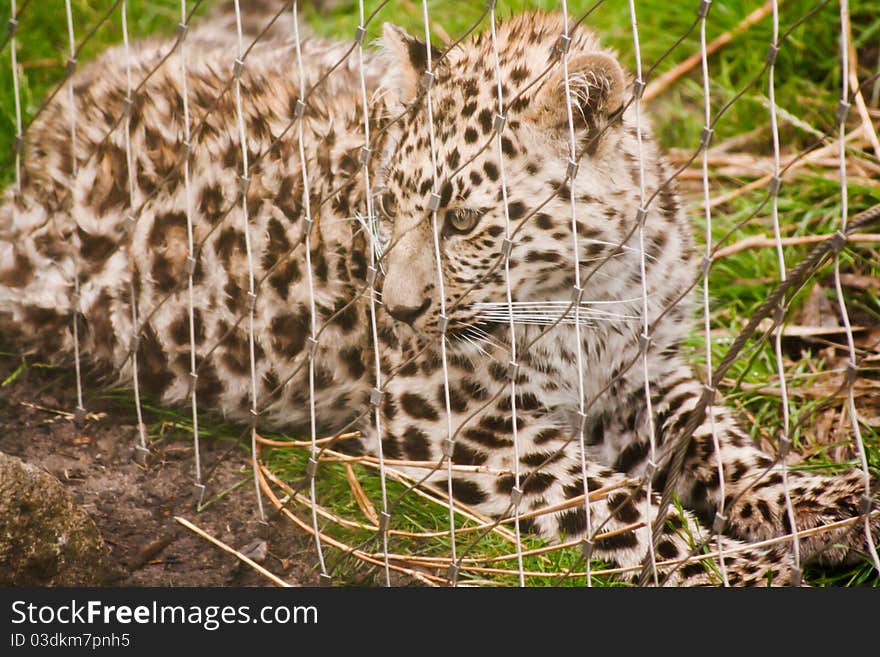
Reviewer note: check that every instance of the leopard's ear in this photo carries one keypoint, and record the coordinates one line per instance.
(596, 91)
(407, 59)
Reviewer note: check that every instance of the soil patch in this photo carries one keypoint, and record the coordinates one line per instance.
(134, 505)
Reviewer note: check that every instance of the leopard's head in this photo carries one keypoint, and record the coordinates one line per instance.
(466, 181)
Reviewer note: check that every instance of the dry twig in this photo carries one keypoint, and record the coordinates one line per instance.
(366, 506)
(826, 151)
(660, 85)
(231, 550)
(762, 241)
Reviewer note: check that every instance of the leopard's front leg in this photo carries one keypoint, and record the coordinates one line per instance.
(540, 451)
(753, 493)
(550, 475)
(618, 530)
(616, 527)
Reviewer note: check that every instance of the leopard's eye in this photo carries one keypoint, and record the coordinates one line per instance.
(388, 205)
(462, 220)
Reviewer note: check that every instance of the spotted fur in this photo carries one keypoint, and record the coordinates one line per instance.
(49, 237)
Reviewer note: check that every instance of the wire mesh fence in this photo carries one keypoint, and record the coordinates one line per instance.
(390, 154)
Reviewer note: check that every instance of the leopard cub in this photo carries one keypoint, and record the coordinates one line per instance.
(494, 209)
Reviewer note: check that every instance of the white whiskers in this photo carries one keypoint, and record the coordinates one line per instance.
(372, 228)
(544, 313)
(478, 338)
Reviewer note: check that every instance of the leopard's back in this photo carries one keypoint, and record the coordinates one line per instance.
(115, 239)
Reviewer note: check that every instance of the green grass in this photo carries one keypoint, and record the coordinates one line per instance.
(807, 90)
(412, 514)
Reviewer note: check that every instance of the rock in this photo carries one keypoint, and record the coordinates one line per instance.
(46, 539)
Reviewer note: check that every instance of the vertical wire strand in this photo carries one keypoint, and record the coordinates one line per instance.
(645, 337)
(245, 222)
(441, 288)
(371, 219)
(578, 294)
(132, 222)
(19, 143)
(785, 438)
(852, 367)
(76, 302)
(191, 260)
(500, 120)
(710, 410)
(875, 91)
(313, 462)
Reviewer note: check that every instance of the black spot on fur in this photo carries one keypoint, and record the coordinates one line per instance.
(621, 541)
(531, 484)
(345, 315)
(486, 438)
(547, 435)
(353, 359)
(284, 276)
(391, 447)
(486, 120)
(208, 385)
(497, 423)
(692, 570)
(445, 194)
(543, 256)
(417, 406)
(667, 549)
(622, 508)
(21, 273)
(180, 328)
(457, 401)
(464, 455)
(389, 408)
(597, 433)
(415, 443)
(474, 389)
(418, 54)
(572, 522)
(631, 455)
(289, 332)
(164, 274)
(538, 459)
(516, 210)
(453, 158)
(467, 492)
(95, 249)
(155, 374)
(324, 377)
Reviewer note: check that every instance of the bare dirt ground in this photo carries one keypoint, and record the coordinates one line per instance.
(134, 505)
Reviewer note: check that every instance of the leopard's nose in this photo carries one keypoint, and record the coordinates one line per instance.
(408, 314)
